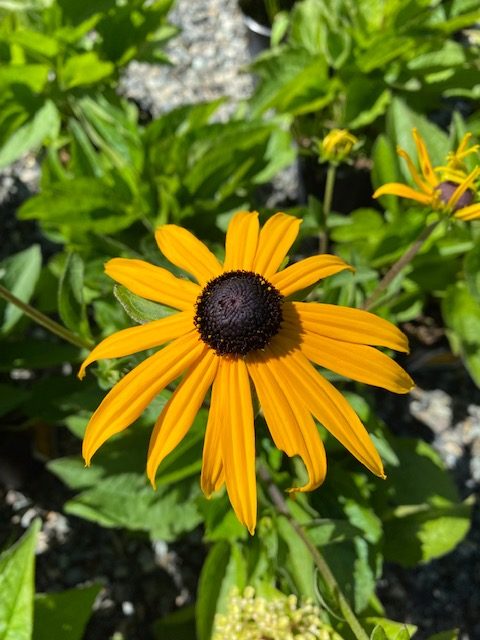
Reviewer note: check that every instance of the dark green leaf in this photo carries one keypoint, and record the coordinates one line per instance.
(20, 276)
(44, 125)
(224, 568)
(65, 614)
(140, 309)
(71, 305)
(17, 566)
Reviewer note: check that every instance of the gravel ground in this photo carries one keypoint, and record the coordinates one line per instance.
(140, 581)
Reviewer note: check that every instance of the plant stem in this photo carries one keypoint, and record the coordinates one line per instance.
(44, 320)
(281, 505)
(327, 206)
(398, 266)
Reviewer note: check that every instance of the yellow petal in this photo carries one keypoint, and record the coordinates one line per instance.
(290, 423)
(303, 274)
(276, 237)
(421, 184)
(129, 397)
(145, 336)
(401, 190)
(154, 283)
(355, 361)
(472, 212)
(327, 404)
(345, 323)
(241, 242)
(466, 184)
(179, 413)
(238, 441)
(213, 475)
(185, 251)
(424, 158)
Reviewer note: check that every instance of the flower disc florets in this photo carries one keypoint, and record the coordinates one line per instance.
(447, 188)
(238, 312)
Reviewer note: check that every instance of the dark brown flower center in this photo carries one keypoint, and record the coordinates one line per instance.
(238, 312)
(447, 188)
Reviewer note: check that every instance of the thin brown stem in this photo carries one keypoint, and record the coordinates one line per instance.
(282, 507)
(395, 269)
(44, 320)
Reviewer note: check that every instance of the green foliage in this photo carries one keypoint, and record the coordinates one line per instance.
(55, 53)
(346, 61)
(64, 613)
(107, 182)
(17, 586)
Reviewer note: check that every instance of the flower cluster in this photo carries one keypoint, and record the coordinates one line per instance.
(447, 189)
(250, 617)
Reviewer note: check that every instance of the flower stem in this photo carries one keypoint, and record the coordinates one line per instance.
(281, 505)
(327, 206)
(44, 320)
(398, 266)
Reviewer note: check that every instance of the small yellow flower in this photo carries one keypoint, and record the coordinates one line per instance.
(447, 189)
(236, 323)
(337, 145)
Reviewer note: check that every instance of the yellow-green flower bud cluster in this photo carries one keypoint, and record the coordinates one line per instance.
(251, 617)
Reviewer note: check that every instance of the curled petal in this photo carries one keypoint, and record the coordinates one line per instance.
(129, 397)
(345, 324)
(145, 336)
(472, 212)
(327, 404)
(238, 441)
(241, 242)
(185, 251)
(356, 361)
(401, 190)
(153, 283)
(213, 475)
(303, 274)
(276, 237)
(290, 423)
(180, 411)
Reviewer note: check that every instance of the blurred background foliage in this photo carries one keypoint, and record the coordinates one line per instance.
(108, 179)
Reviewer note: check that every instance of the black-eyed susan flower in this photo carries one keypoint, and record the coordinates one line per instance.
(234, 325)
(337, 145)
(448, 189)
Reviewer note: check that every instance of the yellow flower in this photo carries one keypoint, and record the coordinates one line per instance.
(236, 323)
(446, 189)
(337, 145)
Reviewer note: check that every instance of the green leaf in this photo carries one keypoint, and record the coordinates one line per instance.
(85, 69)
(17, 567)
(378, 633)
(36, 42)
(179, 625)
(125, 500)
(422, 532)
(11, 397)
(35, 76)
(451, 634)
(139, 309)
(298, 561)
(71, 305)
(64, 615)
(389, 629)
(44, 125)
(471, 267)
(224, 568)
(82, 204)
(461, 312)
(20, 276)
